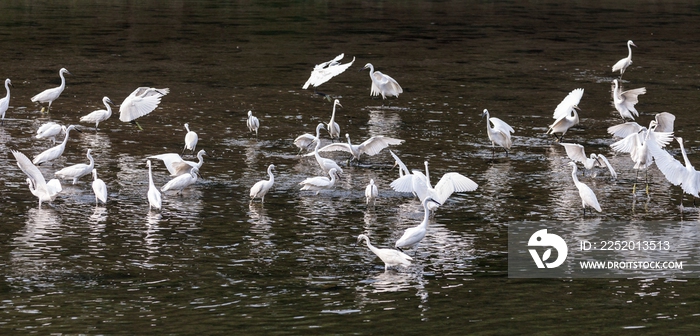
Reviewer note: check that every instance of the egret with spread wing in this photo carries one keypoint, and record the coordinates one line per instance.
(140, 103)
(325, 71)
(624, 101)
(382, 84)
(176, 165)
(45, 192)
(371, 146)
(565, 114)
(577, 153)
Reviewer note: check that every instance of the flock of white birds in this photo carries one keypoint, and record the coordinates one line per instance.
(645, 146)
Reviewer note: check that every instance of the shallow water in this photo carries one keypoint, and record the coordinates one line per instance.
(212, 262)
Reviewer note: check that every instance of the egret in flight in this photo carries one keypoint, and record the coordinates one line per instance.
(382, 84)
(260, 188)
(191, 139)
(371, 146)
(176, 165)
(588, 198)
(77, 171)
(622, 64)
(327, 70)
(664, 123)
(390, 257)
(319, 183)
(565, 114)
(154, 198)
(253, 123)
(499, 134)
(412, 236)
(305, 140)
(99, 116)
(49, 131)
(100, 189)
(56, 151)
(333, 127)
(49, 95)
(577, 153)
(140, 103)
(45, 192)
(624, 101)
(371, 192)
(5, 101)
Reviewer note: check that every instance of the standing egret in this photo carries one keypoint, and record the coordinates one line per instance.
(588, 198)
(371, 146)
(664, 123)
(49, 131)
(5, 102)
(382, 84)
(176, 165)
(412, 236)
(154, 197)
(577, 153)
(624, 101)
(49, 95)
(685, 176)
(100, 189)
(390, 257)
(565, 114)
(327, 70)
(305, 140)
(77, 171)
(181, 182)
(99, 116)
(191, 139)
(333, 127)
(140, 103)
(261, 188)
(45, 192)
(324, 163)
(56, 151)
(499, 134)
(319, 183)
(371, 192)
(253, 123)
(622, 64)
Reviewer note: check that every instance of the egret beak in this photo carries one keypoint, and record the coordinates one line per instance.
(633, 44)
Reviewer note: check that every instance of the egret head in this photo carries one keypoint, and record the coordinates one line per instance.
(106, 100)
(64, 71)
(360, 238)
(250, 114)
(484, 113)
(337, 102)
(429, 200)
(367, 66)
(631, 43)
(8, 82)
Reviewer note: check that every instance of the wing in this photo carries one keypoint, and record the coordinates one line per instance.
(501, 126)
(420, 185)
(402, 166)
(623, 130)
(568, 103)
(673, 170)
(575, 152)
(403, 184)
(664, 122)
(45, 127)
(387, 84)
(325, 71)
(631, 96)
(375, 144)
(607, 164)
(304, 141)
(336, 147)
(318, 181)
(169, 159)
(626, 145)
(141, 102)
(453, 182)
(30, 169)
(661, 138)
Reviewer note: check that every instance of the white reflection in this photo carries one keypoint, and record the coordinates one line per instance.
(34, 257)
(152, 238)
(384, 123)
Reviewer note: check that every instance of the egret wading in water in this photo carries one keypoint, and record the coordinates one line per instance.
(253, 123)
(332, 126)
(56, 151)
(622, 64)
(99, 116)
(260, 189)
(371, 192)
(588, 198)
(371, 146)
(390, 257)
(181, 182)
(176, 165)
(499, 134)
(382, 84)
(577, 153)
(100, 189)
(49, 95)
(191, 139)
(324, 163)
(565, 114)
(319, 183)
(412, 236)
(140, 103)
(624, 101)
(676, 173)
(305, 140)
(77, 171)
(45, 192)
(49, 131)
(154, 197)
(419, 184)
(5, 101)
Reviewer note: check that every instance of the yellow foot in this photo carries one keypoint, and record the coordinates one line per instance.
(43, 109)
(634, 188)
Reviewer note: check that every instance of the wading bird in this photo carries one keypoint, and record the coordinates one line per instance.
(499, 134)
(382, 84)
(319, 183)
(181, 182)
(253, 123)
(332, 126)
(260, 188)
(685, 176)
(154, 197)
(412, 236)
(191, 139)
(99, 116)
(77, 171)
(324, 163)
(176, 165)
(49, 95)
(371, 146)
(565, 114)
(624, 101)
(49, 131)
(5, 101)
(588, 198)
(100, 189)
(45, 192)
(305, 140)
(371, 192)
(327, 70)
(622, 64)
(390, 257)
(56, 151)
(419, 184)
(140, 103)
(664, 123)
(577, 153)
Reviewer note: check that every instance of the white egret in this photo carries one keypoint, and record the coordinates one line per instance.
(5, 101)
(390, 257)
(49, 131)
(253, 123)
(191, 139)
(261, 188)
(382, 84)
(565, 114)
(56, 151)
(685, 176)
(333, 127)
(588, 198)
(319, 183)
(154, 197)
(664, 123)
(403, 170)
(100, 189)
(577, 153)
(371, 192)
(624, 101)
(176, 165)
(77, 171)
(324, 163)
(46, 192)
(181, 182)
(419, 184)
(327, 70)
(371, 146)
(412, 236)
(305, 140)
(99, 116)
(140, 103)
(499, 134)
(622, 64)
(49, 95)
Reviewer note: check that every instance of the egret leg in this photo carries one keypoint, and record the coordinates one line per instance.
(646, 177)
(137, 124)
(634, 186)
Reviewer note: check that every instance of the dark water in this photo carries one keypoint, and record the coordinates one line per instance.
(213, 263)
